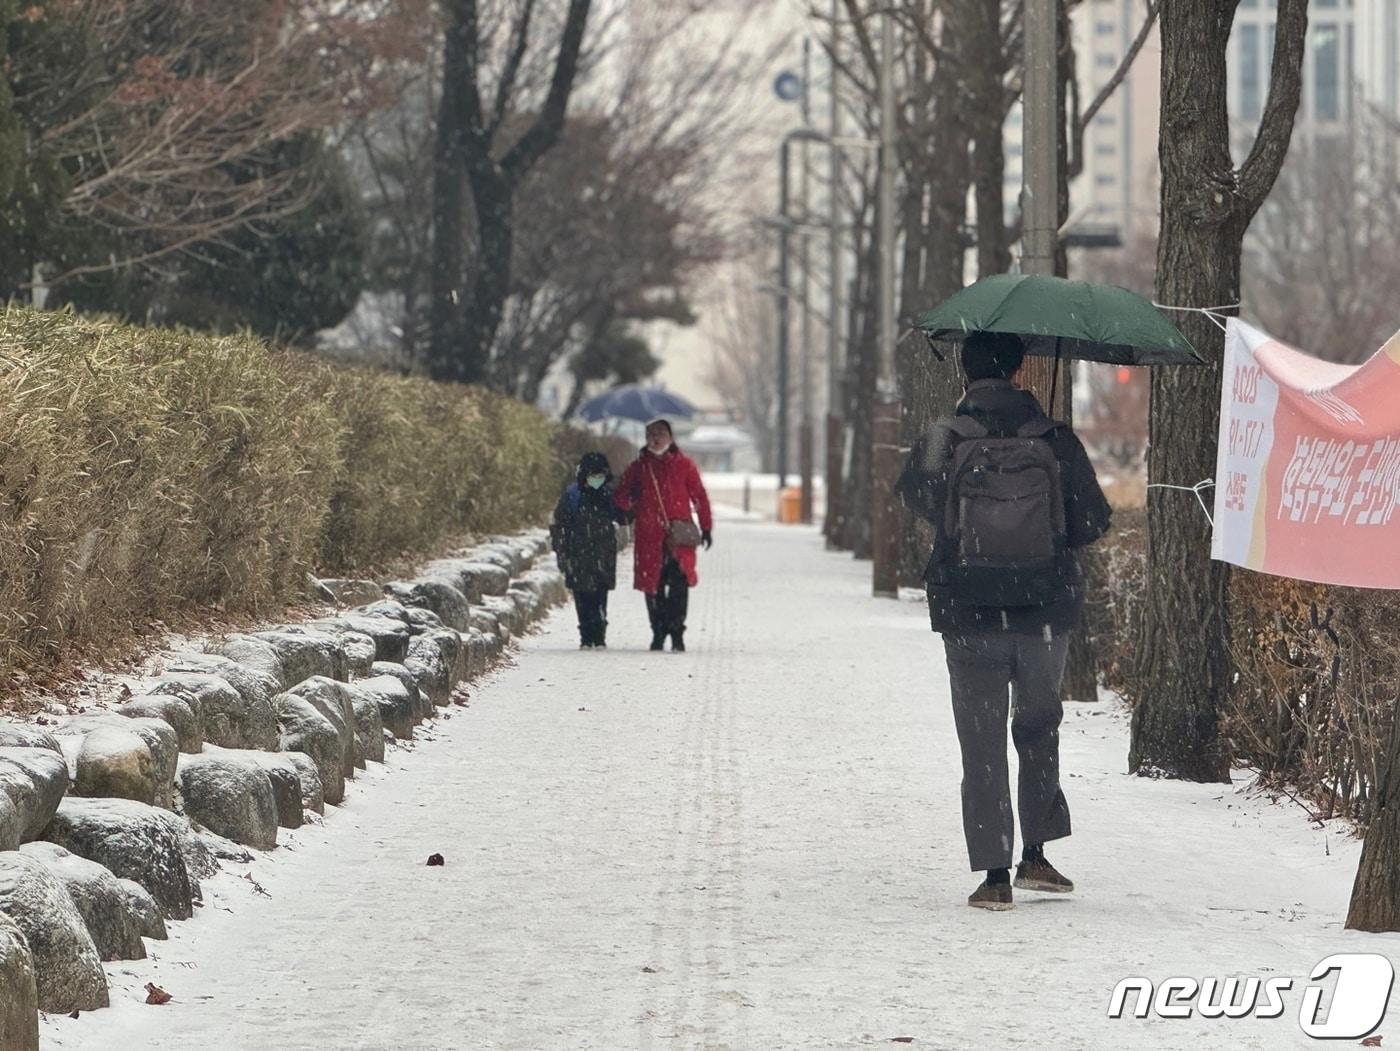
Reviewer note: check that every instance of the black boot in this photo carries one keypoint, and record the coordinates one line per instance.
(678, 641)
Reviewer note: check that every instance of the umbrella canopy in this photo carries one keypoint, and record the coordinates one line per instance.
(1061, 318)
(633, 402)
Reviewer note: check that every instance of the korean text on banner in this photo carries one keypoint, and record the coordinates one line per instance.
(1308, 470)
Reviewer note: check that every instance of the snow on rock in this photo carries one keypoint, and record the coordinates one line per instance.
(422, 703)
(122, 758)
(431, 673)
(67, 970)
(389, 634)
(230, 797)
(368, 726)
(19, 735)
(305, 729)
(174, 711)
(257, 654)
(233, 701)
(396, 705)
(293, 778)
(117, 912)
(19, 997)
(305, 652)
(439, 595)
(33, 781)
(331, 698)
(136, 842)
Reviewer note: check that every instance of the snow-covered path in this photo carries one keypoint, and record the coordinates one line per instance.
(752, 845)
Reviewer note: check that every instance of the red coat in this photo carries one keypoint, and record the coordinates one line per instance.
(678, 480)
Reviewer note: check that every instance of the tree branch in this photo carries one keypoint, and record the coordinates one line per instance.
(1257, 174)
(545, 131)
(519, 44)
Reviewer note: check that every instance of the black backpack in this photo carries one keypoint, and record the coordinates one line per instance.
(1003, 528)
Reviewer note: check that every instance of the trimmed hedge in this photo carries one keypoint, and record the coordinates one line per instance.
(145, 471)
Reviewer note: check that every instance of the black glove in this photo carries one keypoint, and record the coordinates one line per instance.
(706, 539)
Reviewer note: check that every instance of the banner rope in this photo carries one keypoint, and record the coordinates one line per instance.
(1216, 314)
(1198, 488)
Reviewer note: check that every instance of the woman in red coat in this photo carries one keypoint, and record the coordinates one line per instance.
(663, 484)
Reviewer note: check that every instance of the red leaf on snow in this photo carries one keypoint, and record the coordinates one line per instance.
(1372, 1041)
(436, 859)
(156, 995)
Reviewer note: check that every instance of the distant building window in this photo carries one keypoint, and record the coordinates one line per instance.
(1249, 72)
(1326, 59)
(1106, 120)
(1106, 149)
(1105, 28)
(1107, 60)
(1249, 3)
(1106, 179)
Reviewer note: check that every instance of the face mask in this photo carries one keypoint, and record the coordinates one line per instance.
(595, 481)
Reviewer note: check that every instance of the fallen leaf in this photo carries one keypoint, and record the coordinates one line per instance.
(436, 859)
(72, 1014)
(901, 1039)
(1372, 1041)
(155, 994)
(648, 970)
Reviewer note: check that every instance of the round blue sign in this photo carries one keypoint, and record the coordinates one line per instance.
(788, 86)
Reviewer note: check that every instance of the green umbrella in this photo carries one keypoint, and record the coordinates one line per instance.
(1060, 318)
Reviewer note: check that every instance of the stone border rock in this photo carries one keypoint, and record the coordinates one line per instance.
(109, 821)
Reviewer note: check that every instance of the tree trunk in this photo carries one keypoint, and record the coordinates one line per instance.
(987, 120)
(862, 370)
(447, 312)
(1183, 665)
(1375, 895)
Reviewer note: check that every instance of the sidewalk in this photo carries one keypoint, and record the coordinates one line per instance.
(756, 844)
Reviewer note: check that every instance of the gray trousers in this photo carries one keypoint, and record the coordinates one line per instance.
(981, 668)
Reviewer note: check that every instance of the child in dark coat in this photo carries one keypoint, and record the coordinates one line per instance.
(585, 539)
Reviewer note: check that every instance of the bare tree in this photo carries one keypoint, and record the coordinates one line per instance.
(1183, 662)
(472, 143)
(744, 368)
(1320, 262)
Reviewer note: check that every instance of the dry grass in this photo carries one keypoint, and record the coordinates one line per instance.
(1314, 696)
(151, 474)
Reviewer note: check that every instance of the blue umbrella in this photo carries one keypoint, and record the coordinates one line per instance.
(632, 402)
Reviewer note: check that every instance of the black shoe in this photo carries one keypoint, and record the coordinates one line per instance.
(677, 642)
(1039, 874)
(658, 642)
(585, 645)
(995, 897)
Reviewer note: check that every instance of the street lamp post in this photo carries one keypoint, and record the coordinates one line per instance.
(884, 518)
(785, 225)
(835, 407)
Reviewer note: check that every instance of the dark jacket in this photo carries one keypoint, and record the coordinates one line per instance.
(583, 534)
(923, 487)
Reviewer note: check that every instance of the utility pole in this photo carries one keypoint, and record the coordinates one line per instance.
(885, 455)
(1040, 193)
(835, 408)
(804, 431)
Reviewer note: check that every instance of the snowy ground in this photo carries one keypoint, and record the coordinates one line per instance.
(753, 845)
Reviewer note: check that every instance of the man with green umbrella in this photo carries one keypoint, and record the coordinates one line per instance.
(1011, 495)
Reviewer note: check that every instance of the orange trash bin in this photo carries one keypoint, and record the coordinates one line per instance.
(790, 506)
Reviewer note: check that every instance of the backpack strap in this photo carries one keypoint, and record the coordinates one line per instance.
(1040, 427)
(967, 427)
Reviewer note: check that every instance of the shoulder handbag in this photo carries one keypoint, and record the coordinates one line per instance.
(680, 532)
